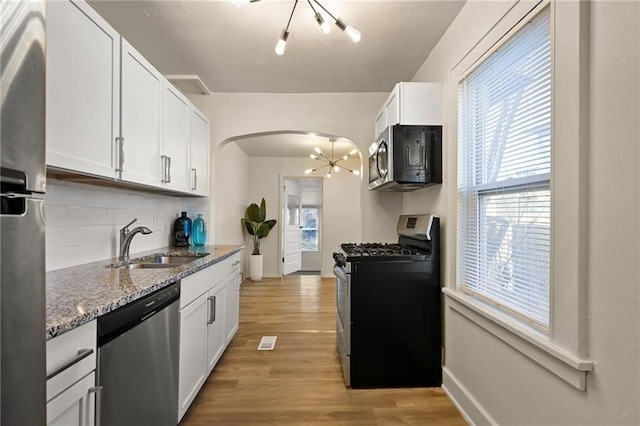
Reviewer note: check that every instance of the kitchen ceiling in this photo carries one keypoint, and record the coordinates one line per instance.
(232, 48)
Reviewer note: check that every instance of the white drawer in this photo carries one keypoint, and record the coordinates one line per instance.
(70, 357)
(194, 285)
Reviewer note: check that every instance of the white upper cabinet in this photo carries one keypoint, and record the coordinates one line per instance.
(111, 114)
(139, 150)
(175, 171)
(83, 80)
(411, 103)
(199, 171)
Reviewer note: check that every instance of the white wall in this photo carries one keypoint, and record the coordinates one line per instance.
(349, 115)
(83, 221)
(341, 206)
(231, 186)
(492, 380)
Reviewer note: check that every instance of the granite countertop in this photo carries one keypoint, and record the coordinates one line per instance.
(77, 295)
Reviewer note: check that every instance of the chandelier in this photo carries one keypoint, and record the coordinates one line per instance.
(332, 163)
(326, 28)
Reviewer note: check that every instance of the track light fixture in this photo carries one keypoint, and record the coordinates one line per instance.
(332, 163)
(324, 25)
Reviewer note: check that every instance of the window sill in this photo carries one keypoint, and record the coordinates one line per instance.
(535, 346)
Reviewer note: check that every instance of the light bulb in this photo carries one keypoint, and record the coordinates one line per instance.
(329, 174)
(345, 157)
(326, 28)
(353, 33)
(281, 45)
(306, 172)
(356, 172)
(313, 156)
(318, 150)
(353, 151)
(336, 169)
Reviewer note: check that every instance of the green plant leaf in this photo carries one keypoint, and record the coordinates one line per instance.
(263, 230)
(253, 212)
(250, 227)
(271, 223)
(262, 214)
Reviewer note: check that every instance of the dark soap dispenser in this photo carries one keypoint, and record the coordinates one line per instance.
(181, 231)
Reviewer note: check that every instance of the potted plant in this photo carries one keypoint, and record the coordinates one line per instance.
(256, 225)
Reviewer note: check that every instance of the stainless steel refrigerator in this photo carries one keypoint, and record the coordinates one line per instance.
(22, 227)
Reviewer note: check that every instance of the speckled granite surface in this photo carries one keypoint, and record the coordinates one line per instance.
(79, 294)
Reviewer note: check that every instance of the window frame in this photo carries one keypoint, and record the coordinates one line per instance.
(476, 187)
(563, 350)
(317, 228)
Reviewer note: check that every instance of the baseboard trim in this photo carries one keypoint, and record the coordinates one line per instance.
(469, 407)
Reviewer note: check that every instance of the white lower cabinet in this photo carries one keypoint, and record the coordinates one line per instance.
(71, 365)
(209, 304)
(193, 352)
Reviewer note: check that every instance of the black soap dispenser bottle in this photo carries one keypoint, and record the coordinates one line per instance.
(181, 231)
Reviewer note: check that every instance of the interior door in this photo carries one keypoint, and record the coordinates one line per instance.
(292, 259)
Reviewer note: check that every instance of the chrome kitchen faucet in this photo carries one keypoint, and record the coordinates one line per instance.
(126, 236)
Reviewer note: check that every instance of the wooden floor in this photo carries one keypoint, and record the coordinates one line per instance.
(300, 382)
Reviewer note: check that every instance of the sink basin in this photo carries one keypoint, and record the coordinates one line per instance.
(168, 260)
(161, 261)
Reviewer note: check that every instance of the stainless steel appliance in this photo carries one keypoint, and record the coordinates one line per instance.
(388, 300)
(406, 158)
(138, 361)
(22, 227)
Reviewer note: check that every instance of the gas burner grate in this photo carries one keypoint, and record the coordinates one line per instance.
(380, 249)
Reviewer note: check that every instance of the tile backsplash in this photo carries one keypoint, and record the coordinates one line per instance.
(83, 221)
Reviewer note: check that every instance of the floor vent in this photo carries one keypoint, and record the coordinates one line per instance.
(267, 343)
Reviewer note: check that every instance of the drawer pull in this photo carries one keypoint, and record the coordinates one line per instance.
(236, 263)
(82, 354)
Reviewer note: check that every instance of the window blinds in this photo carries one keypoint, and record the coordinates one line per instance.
(504, 200)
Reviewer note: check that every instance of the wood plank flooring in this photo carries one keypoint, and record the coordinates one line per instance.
(300, 382)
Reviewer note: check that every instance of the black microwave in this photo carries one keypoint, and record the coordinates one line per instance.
(406, 158)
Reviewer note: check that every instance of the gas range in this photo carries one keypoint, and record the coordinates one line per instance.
(391, 292)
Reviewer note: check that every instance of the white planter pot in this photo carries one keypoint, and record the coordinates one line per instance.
(255, 267)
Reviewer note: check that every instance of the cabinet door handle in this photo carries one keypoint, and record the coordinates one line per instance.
(120, 149)
(194, 173)
(168, 169)
(82, 354)
(98, 391)
(237, 262)
(163, 161)
(212, 309)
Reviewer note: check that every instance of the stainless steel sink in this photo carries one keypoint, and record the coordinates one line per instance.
(159, 262)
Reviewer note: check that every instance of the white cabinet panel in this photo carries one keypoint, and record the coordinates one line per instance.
(83, 82)
(200, 153)
(140, 117)
(175, 140)
(75, 406)
(411, 103)
(193, 334)
(232, 313)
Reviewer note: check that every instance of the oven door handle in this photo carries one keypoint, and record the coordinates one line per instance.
(339, 273)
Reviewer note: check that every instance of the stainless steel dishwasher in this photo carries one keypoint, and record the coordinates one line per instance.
(138, 361)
